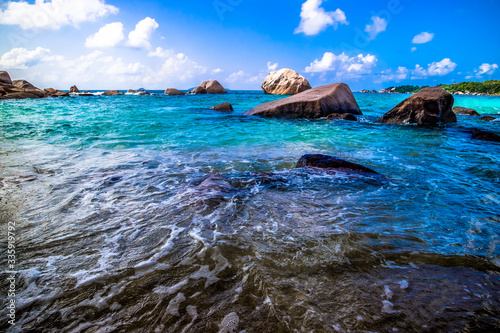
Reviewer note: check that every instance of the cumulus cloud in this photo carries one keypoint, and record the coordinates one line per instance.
(442, 67)
(139, 38)
(423, 38)
(413, 49)
(21, 58)
(181, 68)
(272, 67)
(379, 25)
(439, 68)
(161, 53)
(234, 77)
(343, 65)
(55, 14)
(315, 19)
(486, 69)
(400, 74)
(108, 36)
(120, 67)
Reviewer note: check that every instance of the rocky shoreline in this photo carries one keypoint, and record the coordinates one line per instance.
(393, 91)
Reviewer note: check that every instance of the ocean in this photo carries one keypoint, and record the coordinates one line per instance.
(114, 234)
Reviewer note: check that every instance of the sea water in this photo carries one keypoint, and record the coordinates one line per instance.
(114, 233)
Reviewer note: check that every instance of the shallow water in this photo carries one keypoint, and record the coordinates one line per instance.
(114, 233)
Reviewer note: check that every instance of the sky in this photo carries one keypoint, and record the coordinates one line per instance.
(368, 44)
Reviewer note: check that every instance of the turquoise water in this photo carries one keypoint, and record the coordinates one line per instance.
(114, 233)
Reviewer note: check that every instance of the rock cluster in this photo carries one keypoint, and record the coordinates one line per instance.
(112, 93)
(209, 87)
(313, 103)
(19, 89)
(56, 93)
(285, 82)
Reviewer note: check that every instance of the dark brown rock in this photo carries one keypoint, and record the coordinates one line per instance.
(209, 87)
(199, 90)
(487, 118)
(343, 116)
(138, 92)
(23, 95)
(174, 92)
(74, 90)
(225, 107)
(428, 107)
(112, 93)
(330, 162)
(465, 111)
(5, 78)
(485, 136)
(313, 103)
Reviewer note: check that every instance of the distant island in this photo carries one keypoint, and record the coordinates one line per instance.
(491, 87)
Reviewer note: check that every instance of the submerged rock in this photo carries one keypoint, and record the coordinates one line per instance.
(112, 93)
(487, 118)
(485, 136)
(330, 162)
(465, 111)
(428, 107)
(225, 107)
(343, 116)
(313, 103)
(285, 82)
(174, 92)
(74, 90)
(209, 87)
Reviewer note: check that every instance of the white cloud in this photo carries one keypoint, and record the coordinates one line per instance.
(442, 67)
(389, 75)
(119, 67)
(439, 68)
(379, 25)
(486, 69)
(54, 15)
(423, 38)
(272, 67)
(413, 49)
(181, 67)
(161, 53)
(234, 77)
(139, 38)
(217, 71)
(108, 36)
(344, 66)
(315, 19)
(21, 58)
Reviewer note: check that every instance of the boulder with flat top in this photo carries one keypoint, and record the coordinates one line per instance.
(428, 107)
(174, 92)
(331, 163)
(313, 103)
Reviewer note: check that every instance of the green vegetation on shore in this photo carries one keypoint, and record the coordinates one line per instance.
(490, 87)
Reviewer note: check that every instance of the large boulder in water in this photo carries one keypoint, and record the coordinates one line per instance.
(313, 103)
(285, 82)
(211, 87)
(174, 92)
(331, 163)
(5, 78)
(74, 90)
(428, 107)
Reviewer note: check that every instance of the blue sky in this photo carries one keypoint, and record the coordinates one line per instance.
(104, 44)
